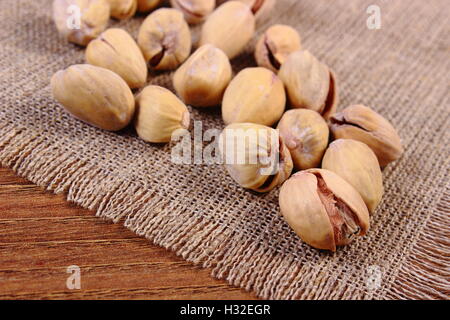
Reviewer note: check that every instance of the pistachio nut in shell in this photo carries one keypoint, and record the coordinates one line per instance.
(117, 51)
(203, 77)
(93, 19)
(230, 27)
(357, 164)
(254, 95)
(194, 11)
(148, 5)
(165, 39)
(260, 8)
(305, 134)
(159, 113)
(361, 123)
(309, 83)
(255, 156)
(123, 9)
(323, 209)
(275, 45)
(95, 95)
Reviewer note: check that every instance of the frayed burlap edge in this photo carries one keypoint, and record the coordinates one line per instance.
(240, 261)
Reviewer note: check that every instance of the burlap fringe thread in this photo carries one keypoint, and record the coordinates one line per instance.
(242, 262)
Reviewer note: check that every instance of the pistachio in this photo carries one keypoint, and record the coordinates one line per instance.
(309, 83)
(357, 164)
(275, 45)
(165, 39)
(255, 95)
(95, 95)
(255, 156)
(361, 123)
(230, 27)
(117, 51)
(194, 11)
(80, 21)
(159, 113)
(260, 8)
(148, 5)
(323, 209)
(203, 78)
(305, 134)
(123, 9)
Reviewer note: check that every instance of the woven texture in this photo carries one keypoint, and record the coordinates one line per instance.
(400, 70)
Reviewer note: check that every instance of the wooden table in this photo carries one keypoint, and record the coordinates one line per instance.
(41, 235)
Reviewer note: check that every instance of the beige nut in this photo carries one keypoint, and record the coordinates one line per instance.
(159, 113)
(165, 39)
(203, 78)
(117, 51)
(323, 209)
(310, 84)
(80, 21)
(305, 134)
(275, 45)
(358, 165)
(95, 95)
(361, 123)
(194, 11)
(230, 27)
(148, 5)
(255, 156)
(123, 9)
(255, 95)
(260, 8)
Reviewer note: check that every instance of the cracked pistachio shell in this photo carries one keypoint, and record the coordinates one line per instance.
(323, 209)
(275, 45)
(94, 16)
(361, 123)
(194, 11)
(309, 83)
(95, 95)
(203, 78)
(148, 5)
(260, 8)
(305, 134)
(255, 95)
(230, 27)
(117, 51)
(255, 156)
(357, 164)
(123, 9)
(159, 113)
(165, 39)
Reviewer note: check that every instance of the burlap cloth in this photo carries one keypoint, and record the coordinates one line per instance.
(401, 70)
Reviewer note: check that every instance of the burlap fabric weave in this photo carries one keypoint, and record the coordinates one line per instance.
(401, 70)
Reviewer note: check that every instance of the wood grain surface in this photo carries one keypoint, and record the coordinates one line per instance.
(41, 234)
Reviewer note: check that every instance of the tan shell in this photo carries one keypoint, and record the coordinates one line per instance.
(159, 113)
(305, 133)
(323, 209)
(260, 8)
(148, 5)
(358, 165)
(123, 9)
(194, 11)
(361, 123)
(230, 27)
(255, 95)
(93, 19)
(165, 39)
(117, 51)
(275, 45)
(246, 149)
(309, 83)
(203, 78)
(95, 95)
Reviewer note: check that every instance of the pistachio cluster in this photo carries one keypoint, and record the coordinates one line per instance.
(338, 155)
